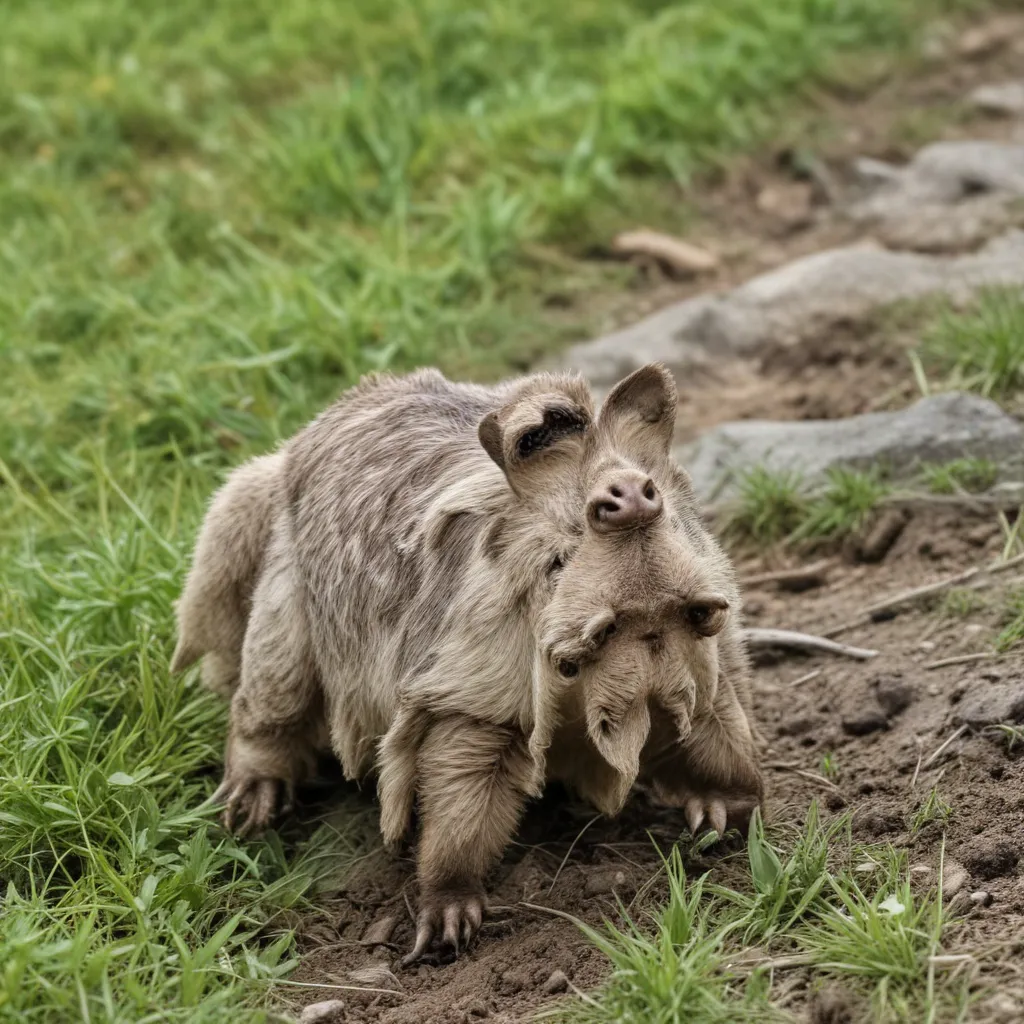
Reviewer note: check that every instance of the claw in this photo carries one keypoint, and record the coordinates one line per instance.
(717, 816)
(694, 813)
(452, 920)
(425, 926)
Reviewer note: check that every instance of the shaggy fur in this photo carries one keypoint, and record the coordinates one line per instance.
(473, 590)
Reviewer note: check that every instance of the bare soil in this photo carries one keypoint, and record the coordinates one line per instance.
(567, 861)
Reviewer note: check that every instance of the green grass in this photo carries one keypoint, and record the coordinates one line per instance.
(779, 507)
(816, 902)
(968, 474)
(980, 349)
(213, 217)
(934, 807)
(1012, 632)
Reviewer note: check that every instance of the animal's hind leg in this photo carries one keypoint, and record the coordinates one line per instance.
(277, 722)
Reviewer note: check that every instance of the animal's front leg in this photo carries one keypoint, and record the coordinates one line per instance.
(713, 775)
(473, 778)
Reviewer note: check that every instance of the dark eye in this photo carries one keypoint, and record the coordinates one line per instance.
(556, 564)
(568, 669)
(698, 614)
(605, 633)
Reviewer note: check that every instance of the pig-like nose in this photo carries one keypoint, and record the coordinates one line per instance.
(624, 501)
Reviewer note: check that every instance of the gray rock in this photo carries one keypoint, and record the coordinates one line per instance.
(604, 881)
(1003, 98)
(556, 983)
(991, 704)
(935, 429)
(794, 301)
(954, 877)
(326, 1012)
(952, 195)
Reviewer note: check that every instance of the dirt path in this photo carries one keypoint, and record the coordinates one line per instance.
(891, 728)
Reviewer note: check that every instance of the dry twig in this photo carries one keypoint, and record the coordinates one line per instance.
(804, 642)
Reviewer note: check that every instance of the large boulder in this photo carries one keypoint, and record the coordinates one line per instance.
(936, 429)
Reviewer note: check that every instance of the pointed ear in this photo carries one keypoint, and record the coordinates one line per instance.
(526, 434)
(640, 412)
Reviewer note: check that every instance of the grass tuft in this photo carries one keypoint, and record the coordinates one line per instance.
(981, 349)
(971, 475)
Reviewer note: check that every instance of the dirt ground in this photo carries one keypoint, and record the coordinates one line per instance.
(885, 764)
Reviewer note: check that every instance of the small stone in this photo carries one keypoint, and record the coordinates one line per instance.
(990, 858)
(954, 878)
(557, 982)
(926, 645)
(981, 898)
(327, 1012)
(865, 722)
(995, 33)
(513, 981)
(991, 705)
(893, 695)
(600, 882)
(379, 933)
(375, 975)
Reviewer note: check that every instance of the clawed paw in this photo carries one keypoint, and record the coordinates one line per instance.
(447, 920)
(252, 805)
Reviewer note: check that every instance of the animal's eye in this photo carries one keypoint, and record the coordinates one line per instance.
(568, 669)
(605, 633)
(556, 564)
(698, 614)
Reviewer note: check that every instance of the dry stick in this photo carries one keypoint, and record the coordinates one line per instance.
(933, 588)
(785, 766)
(890, 603)
(952, 738)
(806, 678)
(961, 659)
(568, 852)
(800, 574)
(804, 642)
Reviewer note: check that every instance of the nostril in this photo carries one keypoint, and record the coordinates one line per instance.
(650, 491)
(603, 509)
(616, 491)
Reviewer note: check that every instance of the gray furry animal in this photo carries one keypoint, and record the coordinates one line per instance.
(469, 591)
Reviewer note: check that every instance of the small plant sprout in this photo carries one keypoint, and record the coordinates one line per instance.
(828, 766)
(959, 476)
(932, 808)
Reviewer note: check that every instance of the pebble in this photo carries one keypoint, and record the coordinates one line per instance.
(981, 898)
(954, 877)
(865, 722)
(321, 1013)
(600, 882)
(557, 982)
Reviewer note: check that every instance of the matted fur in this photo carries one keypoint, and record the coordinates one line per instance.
(422, 581)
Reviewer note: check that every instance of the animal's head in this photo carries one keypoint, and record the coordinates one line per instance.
(634, 592)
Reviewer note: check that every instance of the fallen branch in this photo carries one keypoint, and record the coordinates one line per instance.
(890, 603)
(804, 642)
(961, 659)
(802, 577)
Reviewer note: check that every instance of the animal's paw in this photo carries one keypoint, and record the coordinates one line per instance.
(719, 812)
(449, 919)
(253, 804)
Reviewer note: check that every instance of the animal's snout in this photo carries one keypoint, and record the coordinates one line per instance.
(623, 501)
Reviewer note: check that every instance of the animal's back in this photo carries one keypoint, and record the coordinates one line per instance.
(363, 481)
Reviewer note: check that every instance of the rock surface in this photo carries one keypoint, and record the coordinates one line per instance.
(328, 1011)
(991, 705)
(952, 195)
(936, 429)
(1002, 98)
(810, 294)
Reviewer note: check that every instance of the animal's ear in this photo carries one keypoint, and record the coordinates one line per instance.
(640, 413)
(526, 433)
